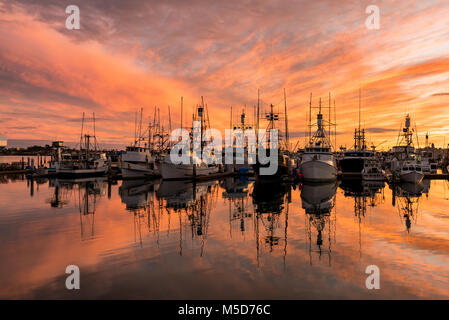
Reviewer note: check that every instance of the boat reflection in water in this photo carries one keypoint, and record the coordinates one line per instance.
(236, 192)
(84, 192)
(224, 238)
(407, 196)
(318, 200)
(271, 201)
(138, 196)
(193, 203)
(365, 194)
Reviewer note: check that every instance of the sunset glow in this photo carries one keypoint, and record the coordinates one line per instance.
(130, 54)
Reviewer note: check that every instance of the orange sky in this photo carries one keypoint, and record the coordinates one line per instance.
(130, 54)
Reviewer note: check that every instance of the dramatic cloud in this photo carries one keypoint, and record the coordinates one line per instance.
(133, 54)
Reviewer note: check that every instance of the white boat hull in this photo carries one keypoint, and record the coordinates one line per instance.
(171, 171)
(412, 176)
(316, 170)
(137, 170)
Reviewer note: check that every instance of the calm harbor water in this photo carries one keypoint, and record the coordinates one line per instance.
(222, 239)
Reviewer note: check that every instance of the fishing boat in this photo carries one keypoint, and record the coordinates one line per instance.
(241, 160)
(139, 159)
(85, 161)
(372, 171)
(283, 161)
(137, 194)
(410, 171)
(318, 162)
(406, 165)
(172, 171)
(197, 167)
(352, 162)
(137, 162)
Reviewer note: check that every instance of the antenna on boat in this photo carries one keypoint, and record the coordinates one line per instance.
(202, 118)
(310, 116)
(305, 129)
(169, 119)
(335, 126)
(258, 111)
(286, 121)
(230, 123)
(330, 124)
(95, 136)
(135, 128)
(207, 115)
(140, 124)
(181, 110)
(416, 132)
(82, 128)
(254, 116)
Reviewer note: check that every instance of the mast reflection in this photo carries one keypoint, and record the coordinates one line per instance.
(85, 193)
(236, 192)
(407, 196)
(318, 200)
(138, 196)
(365, 194)
(270, 202)
(190, 200)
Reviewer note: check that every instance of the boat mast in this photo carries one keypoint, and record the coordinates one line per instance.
(140, 126)
(181, 110)
(95, 136)
(169, 119)
(258, 115)
(286, 121)
(335, 127)
(230, 122)
(201, 117)
(330, 125)
(135, 129)
(310, 117)
(359, 134)
(82, 128)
